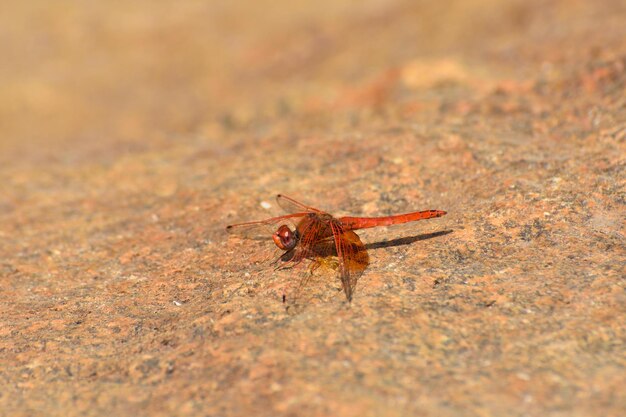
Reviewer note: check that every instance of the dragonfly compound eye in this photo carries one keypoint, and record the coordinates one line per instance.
(284, 238)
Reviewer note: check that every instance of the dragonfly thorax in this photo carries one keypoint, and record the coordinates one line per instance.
(285, 238)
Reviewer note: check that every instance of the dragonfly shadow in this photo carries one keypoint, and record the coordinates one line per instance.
(406, 240)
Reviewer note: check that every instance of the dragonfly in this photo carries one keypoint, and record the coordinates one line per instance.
(318, 235)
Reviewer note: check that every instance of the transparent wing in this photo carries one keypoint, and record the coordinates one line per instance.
(262, 229)
(292, 206)
(313, 231)
(352, 256)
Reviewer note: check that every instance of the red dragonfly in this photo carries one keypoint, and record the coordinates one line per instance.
(318, 235)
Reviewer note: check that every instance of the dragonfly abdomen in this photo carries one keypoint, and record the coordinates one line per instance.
(355, 223)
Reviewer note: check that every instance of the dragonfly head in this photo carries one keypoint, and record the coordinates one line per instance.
(285, 238)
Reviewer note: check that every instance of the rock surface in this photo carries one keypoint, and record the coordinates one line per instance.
(133, 133)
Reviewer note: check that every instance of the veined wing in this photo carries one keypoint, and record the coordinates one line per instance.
(352, 256)
(262, 229)
(292, 206)
(312, 229)
(315, 235)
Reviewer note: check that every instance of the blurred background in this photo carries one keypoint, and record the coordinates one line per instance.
(83, 76)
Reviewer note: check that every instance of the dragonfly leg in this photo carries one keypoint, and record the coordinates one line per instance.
(281, 267)
(314, 266)
(284, 267)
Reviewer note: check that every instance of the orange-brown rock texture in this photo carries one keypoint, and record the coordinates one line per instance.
(133, 132)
